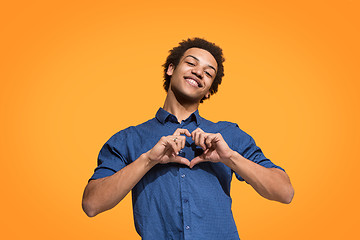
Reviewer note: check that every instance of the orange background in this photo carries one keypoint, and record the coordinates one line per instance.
(73, 73)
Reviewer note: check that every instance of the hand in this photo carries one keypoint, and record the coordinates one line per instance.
(214, 146)
(168, 147)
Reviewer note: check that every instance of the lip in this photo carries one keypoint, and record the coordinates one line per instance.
(195, 79)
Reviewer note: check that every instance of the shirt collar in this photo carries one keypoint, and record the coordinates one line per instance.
(164, 116)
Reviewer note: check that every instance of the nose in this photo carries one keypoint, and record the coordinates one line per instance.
(197, 71)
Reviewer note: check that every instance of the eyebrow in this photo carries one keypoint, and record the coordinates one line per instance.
(199, 61)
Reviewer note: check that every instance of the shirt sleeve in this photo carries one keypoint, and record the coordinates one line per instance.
(245, 145)
(113, 156)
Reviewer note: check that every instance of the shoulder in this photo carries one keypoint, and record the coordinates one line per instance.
(224, 127)
(230, 131)
(131, 132)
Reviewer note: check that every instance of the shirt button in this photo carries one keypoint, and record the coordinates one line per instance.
(187, 227)
(183, 175)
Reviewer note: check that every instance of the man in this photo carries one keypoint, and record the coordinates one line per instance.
(179, 165)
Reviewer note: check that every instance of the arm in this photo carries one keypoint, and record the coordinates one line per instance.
(271, 183)
(105, 193)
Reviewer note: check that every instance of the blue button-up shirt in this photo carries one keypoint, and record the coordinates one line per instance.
(173, 201)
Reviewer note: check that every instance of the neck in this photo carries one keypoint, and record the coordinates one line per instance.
(181, 110)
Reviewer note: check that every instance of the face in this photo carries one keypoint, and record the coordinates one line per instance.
(192, 78)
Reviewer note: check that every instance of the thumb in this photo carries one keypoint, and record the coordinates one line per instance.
(181, 160)
(196, 160)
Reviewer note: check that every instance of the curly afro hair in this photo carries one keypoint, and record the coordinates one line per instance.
(177, 52)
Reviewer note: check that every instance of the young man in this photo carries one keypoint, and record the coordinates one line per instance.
(179, 165)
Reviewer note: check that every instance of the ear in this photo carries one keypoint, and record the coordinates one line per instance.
(170, 69)
(207, 95)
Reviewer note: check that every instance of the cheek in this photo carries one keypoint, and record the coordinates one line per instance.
(210, 82)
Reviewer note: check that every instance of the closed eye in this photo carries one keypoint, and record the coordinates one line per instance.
(190, 63)
(207, 73)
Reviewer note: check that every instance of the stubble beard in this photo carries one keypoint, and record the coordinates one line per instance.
(184, 98)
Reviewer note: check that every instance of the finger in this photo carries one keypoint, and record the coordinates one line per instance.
(169, 152)
(200, 140)
(179, 145)
(198, 130)
(197, 138)
(210, 140)
(170, 141)
(181, 160)
(180, 131)
(179, 141)
(195, 134)
(182, 141)
(202, 137)
(196, 160)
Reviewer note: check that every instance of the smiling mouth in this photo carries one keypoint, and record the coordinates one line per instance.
(193, 82)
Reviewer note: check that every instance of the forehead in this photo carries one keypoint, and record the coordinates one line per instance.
(204, 56)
